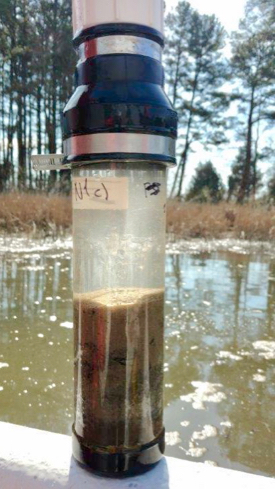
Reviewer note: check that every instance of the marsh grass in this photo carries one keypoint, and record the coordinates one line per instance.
(252, 222)
(34, 213)
(51, 215)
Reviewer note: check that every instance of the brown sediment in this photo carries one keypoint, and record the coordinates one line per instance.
(118, 367)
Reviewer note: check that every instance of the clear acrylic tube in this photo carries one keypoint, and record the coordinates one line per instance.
(87, 13)
(119, 212)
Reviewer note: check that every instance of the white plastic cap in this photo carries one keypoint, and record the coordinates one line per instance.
(88, 13)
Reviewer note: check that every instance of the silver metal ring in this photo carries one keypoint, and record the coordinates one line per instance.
(120, 142)
(119, 44)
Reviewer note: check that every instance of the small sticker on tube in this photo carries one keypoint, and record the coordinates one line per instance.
(100, 193)
(48, 162)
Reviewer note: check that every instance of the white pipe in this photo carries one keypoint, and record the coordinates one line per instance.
(34, 459)
(88, 13)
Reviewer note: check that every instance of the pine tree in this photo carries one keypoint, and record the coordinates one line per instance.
(196, 72)
(235, 179)
(253, 49)
(206, 185)
(37, 64)
(56, 62)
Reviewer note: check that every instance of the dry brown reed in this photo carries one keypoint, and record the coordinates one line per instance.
(51, 215)
(249, 221)
(35, 213)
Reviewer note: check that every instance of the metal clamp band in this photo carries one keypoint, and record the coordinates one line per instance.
(118, 142)
(119, 44)
(126, 147)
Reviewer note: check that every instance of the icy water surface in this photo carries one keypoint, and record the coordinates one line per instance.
(220, 347)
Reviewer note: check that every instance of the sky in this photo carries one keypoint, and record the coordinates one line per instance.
(229, 13)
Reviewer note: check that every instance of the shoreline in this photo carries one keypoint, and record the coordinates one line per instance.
(14, 243)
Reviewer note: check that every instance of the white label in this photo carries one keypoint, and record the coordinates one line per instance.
(100, 193)
(48, 162)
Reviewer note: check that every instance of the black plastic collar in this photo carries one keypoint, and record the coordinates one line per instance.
(118, 29)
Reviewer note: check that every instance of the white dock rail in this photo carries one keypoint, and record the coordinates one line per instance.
(34, 459)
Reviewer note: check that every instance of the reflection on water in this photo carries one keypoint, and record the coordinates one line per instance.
(220, 351)
(220, 358)
(36, 349)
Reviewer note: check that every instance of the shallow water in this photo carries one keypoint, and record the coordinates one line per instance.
(220, 347)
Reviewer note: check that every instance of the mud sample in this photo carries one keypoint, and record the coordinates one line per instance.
(118, 367)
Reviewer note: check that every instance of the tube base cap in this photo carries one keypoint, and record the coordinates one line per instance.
(125, 463)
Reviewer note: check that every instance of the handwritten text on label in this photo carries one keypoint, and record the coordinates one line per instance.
(95, 193)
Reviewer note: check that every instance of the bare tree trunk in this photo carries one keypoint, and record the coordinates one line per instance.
(183, 160)
(21, 148)
(184, 155)
(10, 125)
(30, 146)
(54, 79)
(22, 110)
(13, 78)
(24, 85)
(248, 158)
(52, 118)
(5, 146)
(25, 125)
(176, 81)
(254, 161)
(39, 129)
(38, 116)
(2, 148)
